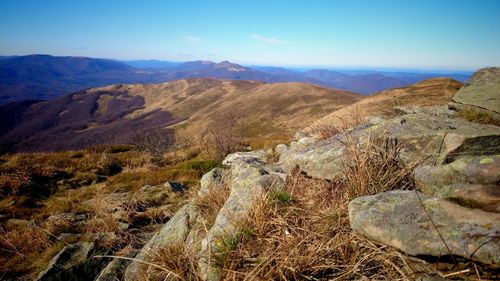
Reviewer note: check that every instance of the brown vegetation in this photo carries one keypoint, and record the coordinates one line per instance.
(436, 91)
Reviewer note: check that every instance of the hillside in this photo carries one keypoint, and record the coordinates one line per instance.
(436, 91)
(114, 114)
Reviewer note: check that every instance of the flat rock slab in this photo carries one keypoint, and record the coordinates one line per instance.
(398, 219)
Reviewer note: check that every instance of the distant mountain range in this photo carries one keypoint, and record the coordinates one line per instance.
(42, 77)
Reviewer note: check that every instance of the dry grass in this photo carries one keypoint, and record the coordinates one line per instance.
(176, 262)
(478, 117)
(334, 125)
(373, 166)
(302, 232)
(211, 202)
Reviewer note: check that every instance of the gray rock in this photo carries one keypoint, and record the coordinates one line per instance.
(474, 170)
(250, 177)
(421, 136)
(398, 219)
(115, 268)
(73, 262)
(482, 93)
(469, 181)
(175, 231)
(212, 179)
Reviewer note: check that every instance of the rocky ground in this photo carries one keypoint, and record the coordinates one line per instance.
(412, 196)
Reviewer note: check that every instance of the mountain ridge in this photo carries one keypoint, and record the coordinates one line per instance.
(47, 77)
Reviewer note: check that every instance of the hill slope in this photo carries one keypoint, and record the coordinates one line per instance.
(436, 91)
(113, 114)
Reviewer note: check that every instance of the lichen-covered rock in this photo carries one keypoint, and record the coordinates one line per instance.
(398, 219)
(212, 179)
(469, 181)
(422, 136)
(482, 93)
(175, 231)
(474, 170)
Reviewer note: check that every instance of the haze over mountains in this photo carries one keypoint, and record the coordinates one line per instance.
(42, 77)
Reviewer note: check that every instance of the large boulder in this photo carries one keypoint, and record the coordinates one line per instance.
(482, 94)
(427, 137)
(401, 220)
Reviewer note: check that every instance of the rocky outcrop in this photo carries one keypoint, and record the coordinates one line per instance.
(481, 94)
(430, 138)
(399, 219)
(249, 177)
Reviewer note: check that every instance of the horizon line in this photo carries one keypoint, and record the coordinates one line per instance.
(296, 66)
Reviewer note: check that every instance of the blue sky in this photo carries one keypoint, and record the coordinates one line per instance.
(426, 34)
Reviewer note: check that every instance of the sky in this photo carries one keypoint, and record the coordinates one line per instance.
(419, 34)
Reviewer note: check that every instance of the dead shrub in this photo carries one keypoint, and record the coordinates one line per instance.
(221, 141)
(155, 142)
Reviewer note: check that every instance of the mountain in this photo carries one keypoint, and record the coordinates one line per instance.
(152, 64)
(114, 114)
(435, 91)
(47, 77)
(42, 77)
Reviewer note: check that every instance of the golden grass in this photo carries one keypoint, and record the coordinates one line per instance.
(334, 125)
(478, 117)
(211, 202)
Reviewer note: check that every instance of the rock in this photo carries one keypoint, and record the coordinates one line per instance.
(238, 157)
(175, 231)
(17, 223)
(115, 268)
(469, 181)
(474, 170)
(421, 136)
(250, 177)
(73, 262)
(175, 186)
(211, 179)
(481, 94)
(398, 219)
(280, 149)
